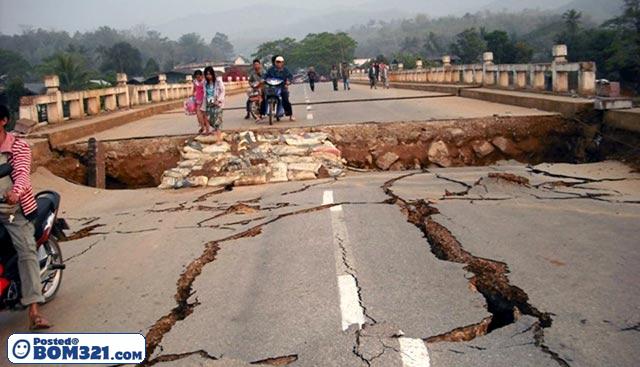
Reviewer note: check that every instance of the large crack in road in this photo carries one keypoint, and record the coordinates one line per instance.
(184, 308)
(504, 300)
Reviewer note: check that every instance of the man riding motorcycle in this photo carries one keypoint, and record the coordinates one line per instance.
(16, 214)
(256, 79)
(279, 71)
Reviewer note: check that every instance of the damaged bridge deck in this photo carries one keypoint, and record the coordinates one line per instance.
(487, 266)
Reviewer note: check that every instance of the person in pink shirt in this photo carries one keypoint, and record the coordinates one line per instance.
(198, 95)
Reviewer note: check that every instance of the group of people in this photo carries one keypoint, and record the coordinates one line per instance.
(335, 75)
(209, 94)
(378, 72)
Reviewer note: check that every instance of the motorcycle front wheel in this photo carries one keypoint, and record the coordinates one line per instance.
(272, 108)
(51, 275)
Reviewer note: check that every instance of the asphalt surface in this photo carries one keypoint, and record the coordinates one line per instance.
(332, 273)
(360, 104)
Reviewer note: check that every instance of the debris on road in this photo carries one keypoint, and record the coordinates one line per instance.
(248, 158)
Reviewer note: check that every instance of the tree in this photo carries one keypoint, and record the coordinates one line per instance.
(469, 46)
(323, 50)
(192, 48)
(14, 90)
(506, 50)
(221, 47)
(70, 69)
(624, 48)
(278, 47)
(572, 19)
(122, 58)
(13, 64)
(151, 68)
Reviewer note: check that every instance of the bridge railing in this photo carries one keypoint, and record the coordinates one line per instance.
(559, 76)
(56, 106)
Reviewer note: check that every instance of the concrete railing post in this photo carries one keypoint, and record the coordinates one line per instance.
(560, 78)
(503, 78)
(96, 172)
(54, 108)
(28, 108)
(123, 93)
(467, 75)
(587, 79)
(521, 79)
(455, 75)
(419, 64)
(76, 105)
(478, 72)
(489, 75)
(446, 66)
(162, 88)
(538, 77)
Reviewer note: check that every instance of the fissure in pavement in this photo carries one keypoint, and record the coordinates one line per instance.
(504, 300)
(184, 290)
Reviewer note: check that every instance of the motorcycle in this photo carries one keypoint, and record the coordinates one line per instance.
(273, 95)
(48, 229)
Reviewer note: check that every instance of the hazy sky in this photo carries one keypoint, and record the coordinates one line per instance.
(82, 15)
(72, 15)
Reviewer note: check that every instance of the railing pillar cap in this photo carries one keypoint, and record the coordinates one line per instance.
(162, 78)
(446, 59)
(487, 57)
(121, 78)
(188, 78)
(51, 82)
(560, 53)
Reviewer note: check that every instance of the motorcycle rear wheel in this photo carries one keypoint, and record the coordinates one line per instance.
(51, 278)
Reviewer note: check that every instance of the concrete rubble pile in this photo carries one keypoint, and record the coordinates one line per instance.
(249, 158)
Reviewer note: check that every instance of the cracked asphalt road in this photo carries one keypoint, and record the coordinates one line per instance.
(252, 275)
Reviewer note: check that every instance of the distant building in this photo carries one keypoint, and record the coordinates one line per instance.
(360, 62)
(173, 77)
(239, 61)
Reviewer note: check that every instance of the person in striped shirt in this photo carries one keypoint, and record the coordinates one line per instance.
(19, 225)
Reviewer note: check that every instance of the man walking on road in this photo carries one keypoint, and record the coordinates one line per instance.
(372, 77)
(311, 74)
(346, 75)
(18, 210)
(384, 75)
(334, 74)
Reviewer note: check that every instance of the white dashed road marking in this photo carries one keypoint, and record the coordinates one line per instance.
(350, 308)
(414, 352)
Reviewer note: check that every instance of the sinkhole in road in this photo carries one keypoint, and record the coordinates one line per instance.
(398, 146)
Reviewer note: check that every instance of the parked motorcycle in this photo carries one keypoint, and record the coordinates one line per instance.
(273, 95)
(48, 229)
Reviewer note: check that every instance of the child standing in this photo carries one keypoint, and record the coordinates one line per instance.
(214, 94)
(198, 96)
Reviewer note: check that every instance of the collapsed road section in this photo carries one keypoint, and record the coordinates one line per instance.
(277, 155)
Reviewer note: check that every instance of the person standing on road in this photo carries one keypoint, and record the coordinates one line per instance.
(279, 71)
(384, 75)
(377, 68)
(198, 96)
(214, 102)
(18, 211)
(346, 75)
(256, 79)
(372, 77)
(311, 74)
(334, 74)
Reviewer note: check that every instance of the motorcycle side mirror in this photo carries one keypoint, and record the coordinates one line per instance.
(5, 170)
